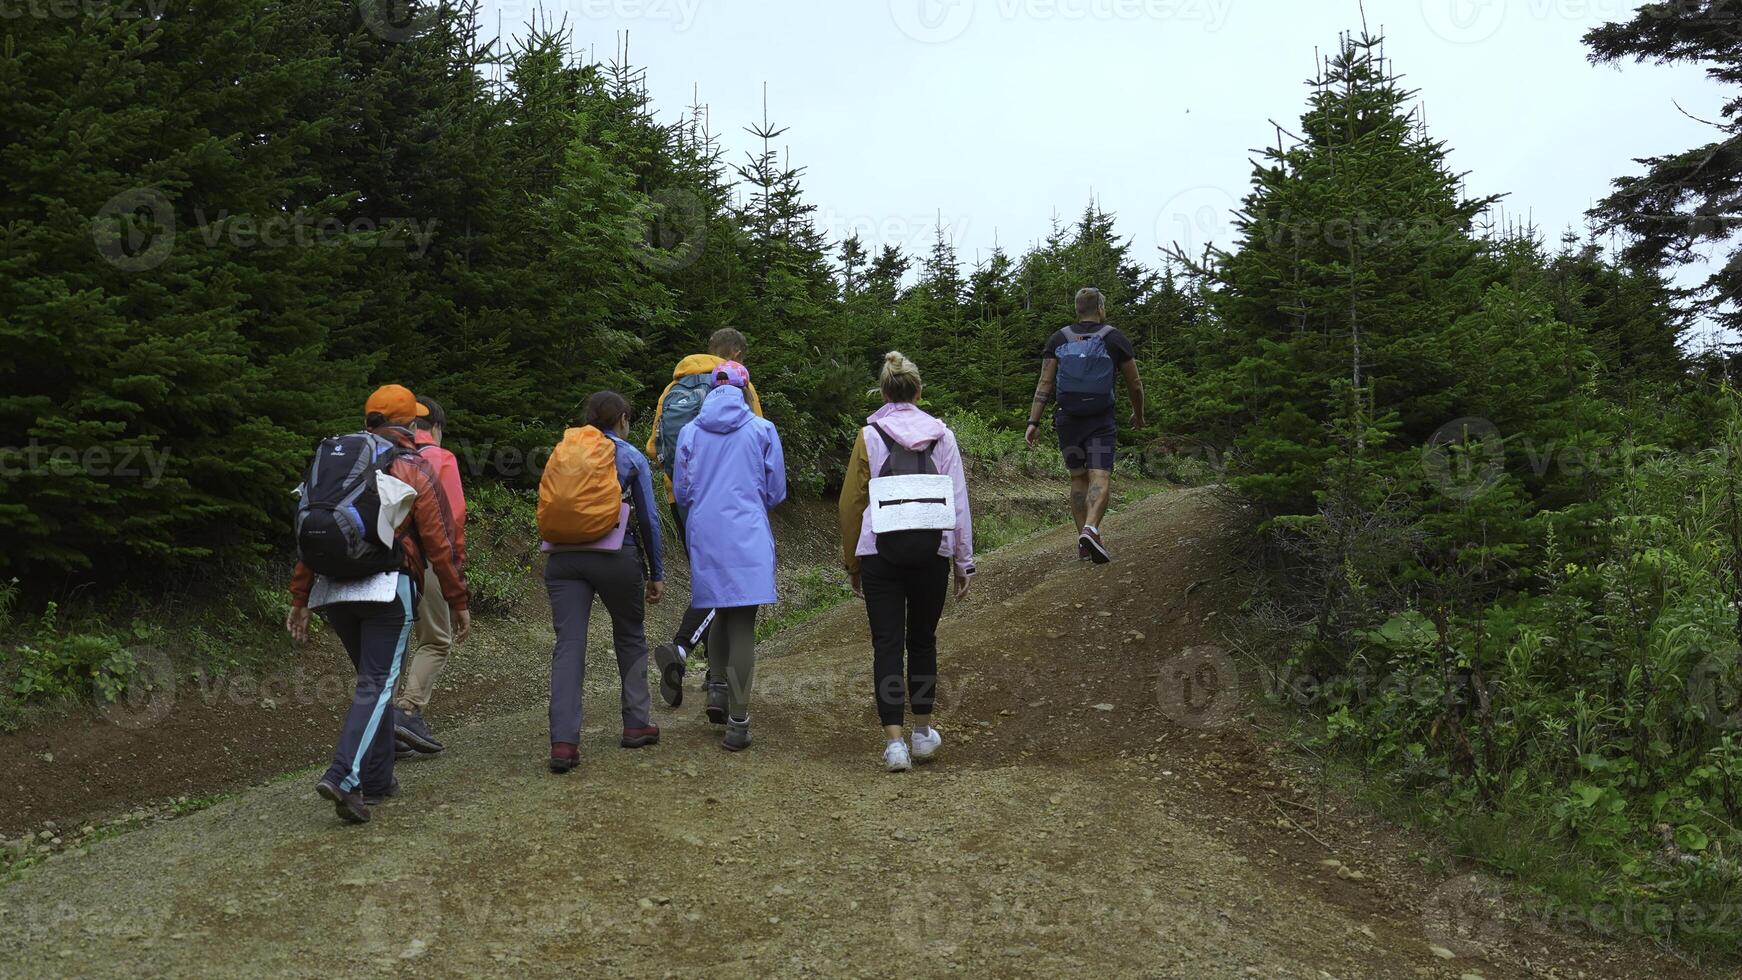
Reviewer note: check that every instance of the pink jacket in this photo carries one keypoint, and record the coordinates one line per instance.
(910, 426)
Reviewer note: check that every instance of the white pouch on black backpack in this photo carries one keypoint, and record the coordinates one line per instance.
(911, 503)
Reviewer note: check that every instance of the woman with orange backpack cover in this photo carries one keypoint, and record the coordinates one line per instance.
(597, 520)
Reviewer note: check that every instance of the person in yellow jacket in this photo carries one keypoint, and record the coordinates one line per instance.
(677, 407)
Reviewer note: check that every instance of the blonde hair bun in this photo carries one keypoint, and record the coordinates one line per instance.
(900, 378)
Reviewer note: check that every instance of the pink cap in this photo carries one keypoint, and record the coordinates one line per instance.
(732, 373)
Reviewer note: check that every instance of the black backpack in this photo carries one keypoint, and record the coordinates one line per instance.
(335, 520)
(907, 548)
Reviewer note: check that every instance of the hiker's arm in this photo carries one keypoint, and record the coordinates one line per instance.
(949, 460)
(773, 471)
(435, 533)
(855, 497)
(1049, 373)
(647, 520)
(1134, 385)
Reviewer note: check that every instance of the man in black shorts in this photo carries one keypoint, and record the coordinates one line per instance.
(1080, 366)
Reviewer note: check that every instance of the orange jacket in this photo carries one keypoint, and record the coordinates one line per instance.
(428, 531)
(691, 365)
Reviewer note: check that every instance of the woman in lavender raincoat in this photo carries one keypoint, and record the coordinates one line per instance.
(730, 471)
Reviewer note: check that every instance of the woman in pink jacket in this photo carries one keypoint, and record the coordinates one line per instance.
(904, 575)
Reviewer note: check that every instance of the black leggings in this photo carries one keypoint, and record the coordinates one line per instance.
(904, 603)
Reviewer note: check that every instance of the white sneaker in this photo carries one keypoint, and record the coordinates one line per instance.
(895, 757)
(925, 744)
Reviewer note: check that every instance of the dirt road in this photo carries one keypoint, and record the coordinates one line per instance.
(1100, 809)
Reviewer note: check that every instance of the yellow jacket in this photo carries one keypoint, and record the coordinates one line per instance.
(689, 366)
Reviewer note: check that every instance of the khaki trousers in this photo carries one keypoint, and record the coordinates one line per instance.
(432, 636)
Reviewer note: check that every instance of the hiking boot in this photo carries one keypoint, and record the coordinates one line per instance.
(1091, 540)
(412, 730)
(376, 799)
(640, 738)
(926, 742)
(670, 658)
(896, 757)
(349, 806)
(564, 757)
(737, 735)
(717, 702)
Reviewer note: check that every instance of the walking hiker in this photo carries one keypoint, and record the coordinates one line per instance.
(677, 407)
(369, 519)
(1081, 364)
(597, 518)
(432, 635)
(730, 472)
(905, 527)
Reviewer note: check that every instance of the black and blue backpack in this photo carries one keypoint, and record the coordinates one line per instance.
(336, 516)
(1086, 373)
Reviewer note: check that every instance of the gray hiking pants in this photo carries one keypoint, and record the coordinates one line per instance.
(732, 656)
(573, 578)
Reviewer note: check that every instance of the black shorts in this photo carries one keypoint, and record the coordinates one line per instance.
(1089, 442)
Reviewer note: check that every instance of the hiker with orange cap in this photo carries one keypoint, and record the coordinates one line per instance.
(369, 519)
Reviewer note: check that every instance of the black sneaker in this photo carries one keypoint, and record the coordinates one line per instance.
(349, 806)
(413, 730)
(1083, 552)
(717, 702)
(1091, 540)
(737, 736)
(671, 670)
(376, 799)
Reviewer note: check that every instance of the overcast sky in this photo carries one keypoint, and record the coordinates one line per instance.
(1001, 114)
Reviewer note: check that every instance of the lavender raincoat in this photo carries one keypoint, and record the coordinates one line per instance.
(730, 472)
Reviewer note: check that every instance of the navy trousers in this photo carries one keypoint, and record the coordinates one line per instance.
(375, 635)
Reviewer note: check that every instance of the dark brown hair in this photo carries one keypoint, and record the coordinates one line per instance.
(728, 343)
(604, 408)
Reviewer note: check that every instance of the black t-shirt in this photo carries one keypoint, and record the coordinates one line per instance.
(1118, 345)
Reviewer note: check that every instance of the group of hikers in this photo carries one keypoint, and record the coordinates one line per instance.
(380, 533)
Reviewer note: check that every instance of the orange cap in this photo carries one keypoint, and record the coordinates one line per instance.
(396, 402)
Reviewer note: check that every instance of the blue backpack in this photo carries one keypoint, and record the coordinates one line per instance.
(681, 406)
(1085, 378)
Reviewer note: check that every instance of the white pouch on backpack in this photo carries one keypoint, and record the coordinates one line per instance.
(922, 502)
(397, 497)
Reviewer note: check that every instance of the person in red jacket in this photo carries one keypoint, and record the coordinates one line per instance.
(375, 633)
(432, 638)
